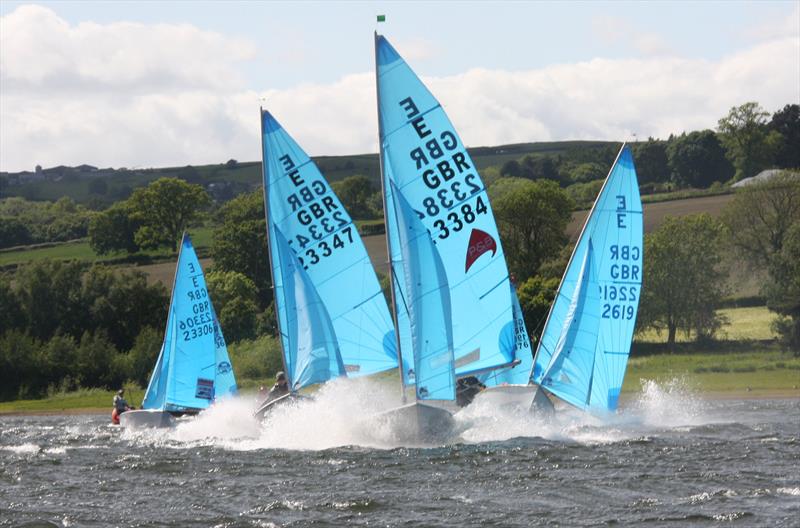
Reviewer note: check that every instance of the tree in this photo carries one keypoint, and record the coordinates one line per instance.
(144, 354)
(786, 122)
(235, 302)
(763, 222)
(783, 289)
(750, 145)
(114, 230)
(355, 192)
(698, 160)
(240, 243)
(683, 277)
(10, 311)
(652, 165)
(165, 208)
(49, 294)
(535, 297)
(97, 186)
(540, 167)
(588, 172)
(531, 217)
(511, 169)
(760, 215)
(122, 303)
(13, 232)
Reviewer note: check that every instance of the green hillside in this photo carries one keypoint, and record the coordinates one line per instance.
(226, 180)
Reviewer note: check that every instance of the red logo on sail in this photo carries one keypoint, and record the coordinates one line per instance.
(480, 242)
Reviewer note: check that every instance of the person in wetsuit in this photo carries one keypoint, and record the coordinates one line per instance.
(466, 390)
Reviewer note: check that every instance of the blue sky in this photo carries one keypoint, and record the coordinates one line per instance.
(489, 63)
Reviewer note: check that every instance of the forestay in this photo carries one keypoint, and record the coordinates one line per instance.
(193, 367)
(425, 159)
(329, 250)
(428, 302)
(586, 340)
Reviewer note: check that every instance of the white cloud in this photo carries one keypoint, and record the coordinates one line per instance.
(135, 95)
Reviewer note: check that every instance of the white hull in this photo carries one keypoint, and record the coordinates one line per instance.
(515, 398)
(417, 423)
(146, 419)
(507, 396)
(286, 399)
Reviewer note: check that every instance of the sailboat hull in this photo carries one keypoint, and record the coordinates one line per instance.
(417, 423)
(267, 407)
(147, 419)
(507, 396)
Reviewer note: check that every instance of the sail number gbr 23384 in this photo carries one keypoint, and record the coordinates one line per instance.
(455, 197)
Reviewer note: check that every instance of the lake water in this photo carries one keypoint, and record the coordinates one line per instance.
(669, 458)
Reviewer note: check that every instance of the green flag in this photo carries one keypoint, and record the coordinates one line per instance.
(381, 18)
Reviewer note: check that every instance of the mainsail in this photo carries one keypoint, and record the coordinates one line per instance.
(193, 367)
(329, 263)
(586, 340)
(423, 157)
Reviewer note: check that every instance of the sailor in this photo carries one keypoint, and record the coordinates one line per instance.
(280, 388)
(120, 406)
(466, 390)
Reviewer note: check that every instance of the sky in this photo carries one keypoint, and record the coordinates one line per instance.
(151, 84)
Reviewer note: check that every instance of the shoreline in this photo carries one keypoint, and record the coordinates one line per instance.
(717, 395)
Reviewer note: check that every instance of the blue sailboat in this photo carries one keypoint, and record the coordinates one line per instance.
(424, 159)
(331, 312)
(583, 353)
(193, 368)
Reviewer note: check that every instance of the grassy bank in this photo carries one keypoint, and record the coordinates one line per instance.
(764, 368)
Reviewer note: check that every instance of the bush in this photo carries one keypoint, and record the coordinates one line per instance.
(256, 359)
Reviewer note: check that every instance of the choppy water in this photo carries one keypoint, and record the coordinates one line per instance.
(669, 459)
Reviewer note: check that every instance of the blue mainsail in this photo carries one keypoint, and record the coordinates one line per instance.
(586, 340)
(310, 348)
(193, 367)
(424, 158)
(319, 232)
(428, 303)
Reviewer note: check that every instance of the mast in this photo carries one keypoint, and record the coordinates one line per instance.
(386, 223)
(269, 243)
(572, 256)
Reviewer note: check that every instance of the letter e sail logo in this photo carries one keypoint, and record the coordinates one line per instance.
(480, 242)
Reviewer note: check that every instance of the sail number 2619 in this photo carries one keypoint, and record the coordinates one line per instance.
(618, 311)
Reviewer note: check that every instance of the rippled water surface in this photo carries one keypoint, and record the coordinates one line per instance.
(668, 459)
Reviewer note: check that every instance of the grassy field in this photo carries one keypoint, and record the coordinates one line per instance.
(763, 369)
(752, 323)
(80, 400)
(80, 250)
